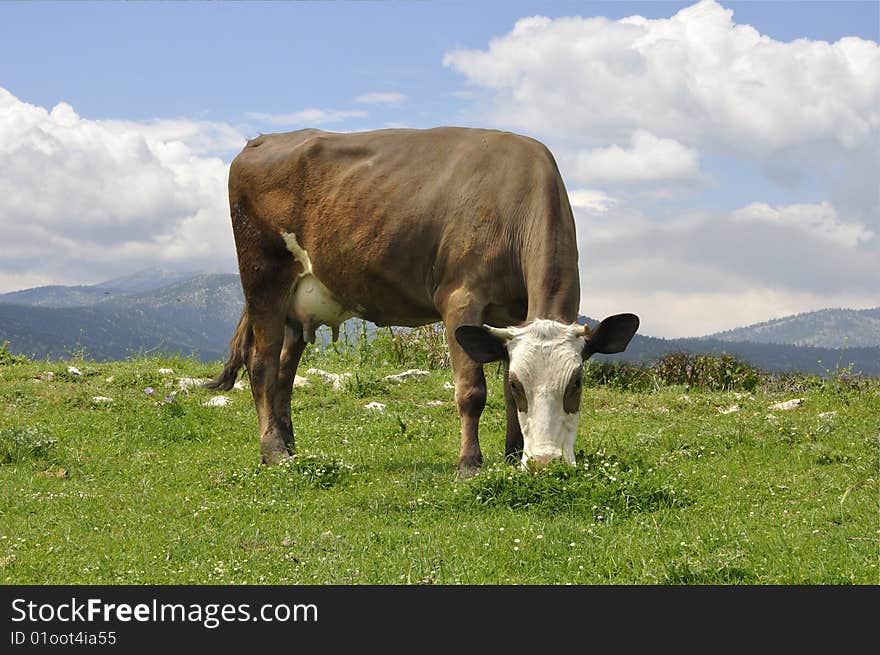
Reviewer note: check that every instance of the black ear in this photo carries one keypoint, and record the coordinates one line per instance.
(611, 335)
(480, 345)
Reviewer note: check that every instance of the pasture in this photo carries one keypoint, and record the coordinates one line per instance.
(108, 478)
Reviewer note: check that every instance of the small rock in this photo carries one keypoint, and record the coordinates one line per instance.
(449, 386)
(74, 370)
(101, 399)
(433, 403)
(110, 379)
(336, 379)
(48, 376)
(379, 407)
(831, 414)
(241, 385)
(729, 410)
(300, 381)
(788, 404)
(406, 375)
(217, 401)
(166, 371)
(770, 417)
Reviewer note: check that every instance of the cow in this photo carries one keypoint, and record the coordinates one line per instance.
(407, 227)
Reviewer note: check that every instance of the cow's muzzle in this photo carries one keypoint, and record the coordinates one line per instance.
(538, 462)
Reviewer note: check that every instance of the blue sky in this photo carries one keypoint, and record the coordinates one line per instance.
(770, 164)
(143, 60)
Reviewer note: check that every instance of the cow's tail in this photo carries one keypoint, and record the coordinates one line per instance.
(239, 348)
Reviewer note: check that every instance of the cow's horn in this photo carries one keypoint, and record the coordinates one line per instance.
(499, 333)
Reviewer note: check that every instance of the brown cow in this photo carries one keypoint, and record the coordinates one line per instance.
(408, 227)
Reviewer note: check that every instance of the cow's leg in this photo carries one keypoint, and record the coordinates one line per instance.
(291, 351)
(470, 382)
(263, 369)
(266, 287)
(513, 443)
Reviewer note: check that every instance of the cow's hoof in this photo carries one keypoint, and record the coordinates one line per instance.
(468, 468)
(274, 457)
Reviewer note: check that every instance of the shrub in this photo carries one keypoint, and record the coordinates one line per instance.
(10, 359)
(619, 375)
(716, 372)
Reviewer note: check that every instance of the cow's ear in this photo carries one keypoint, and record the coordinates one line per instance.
(611, 335)
(480, 344)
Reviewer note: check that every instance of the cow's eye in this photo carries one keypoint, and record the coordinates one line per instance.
(571, 400)
(519, 394)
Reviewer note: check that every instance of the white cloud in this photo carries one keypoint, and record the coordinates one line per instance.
(81, 200)
(378, 98)
(697, 77)
(200, 137)
(309, 117)
(820, 220)
(799, 109)
(649, 159)
(591, 200)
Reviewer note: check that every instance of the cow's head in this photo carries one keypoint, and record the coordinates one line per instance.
(545, 362)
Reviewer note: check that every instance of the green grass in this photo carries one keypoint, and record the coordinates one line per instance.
(667, 490)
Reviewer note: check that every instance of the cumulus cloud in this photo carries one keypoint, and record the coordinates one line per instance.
(309, 117)
(648, 159)
(378, 98)
(820, 220)
(591, 200)
(696, 82)
(81, 199)
(697, 77)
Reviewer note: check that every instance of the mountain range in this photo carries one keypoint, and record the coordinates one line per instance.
(826, 328)
(159, 311)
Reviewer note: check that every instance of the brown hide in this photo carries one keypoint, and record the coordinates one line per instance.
(393, 220)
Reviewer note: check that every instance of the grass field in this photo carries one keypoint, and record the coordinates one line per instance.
(149, 488)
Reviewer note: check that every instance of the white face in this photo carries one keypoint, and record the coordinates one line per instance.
(545, 360)
(545, 366)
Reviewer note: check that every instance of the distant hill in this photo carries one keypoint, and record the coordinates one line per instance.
(196, 314)
(826, 328)
(767, 356)
(147, 280)
(58, 296)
